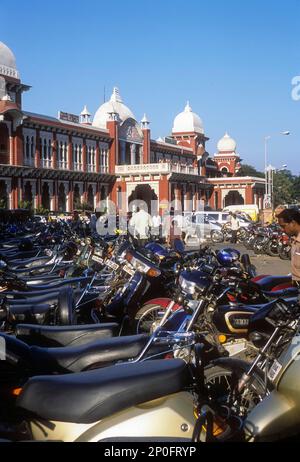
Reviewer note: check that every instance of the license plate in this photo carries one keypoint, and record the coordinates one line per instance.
(128, 270)
(97, 259)
(112, 265)
(274, 370)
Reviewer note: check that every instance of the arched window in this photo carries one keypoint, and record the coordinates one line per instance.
(27, 150)
(32, 146)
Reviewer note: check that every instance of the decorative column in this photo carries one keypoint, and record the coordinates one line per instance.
(146, 142)
(97, 158)
(54, 152)
(37, 157)
(132, 154)
(113, 128)
(84, 157)
(70, 155)
(18, 146)
(11, 150)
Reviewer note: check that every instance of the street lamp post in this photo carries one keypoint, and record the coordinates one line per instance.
(269, 173)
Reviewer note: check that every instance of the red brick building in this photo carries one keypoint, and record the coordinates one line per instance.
(60, 163)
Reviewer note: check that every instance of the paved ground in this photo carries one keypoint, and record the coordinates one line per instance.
(264, 264)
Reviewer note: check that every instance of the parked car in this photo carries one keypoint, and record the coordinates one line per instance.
(200, 224)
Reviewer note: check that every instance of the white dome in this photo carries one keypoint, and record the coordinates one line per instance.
(226, 144)
(8, 62)
(115, 104)
(187, 121)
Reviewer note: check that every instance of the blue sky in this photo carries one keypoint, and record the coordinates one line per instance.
(233, 60)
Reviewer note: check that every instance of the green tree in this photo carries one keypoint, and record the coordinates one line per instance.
(248, 170)
(296, 189)
(283, 188)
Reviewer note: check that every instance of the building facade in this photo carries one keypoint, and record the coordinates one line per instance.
(64, 163)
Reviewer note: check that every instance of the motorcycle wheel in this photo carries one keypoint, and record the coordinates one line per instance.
(221, 386)
(284, 254)
(271, 250)
(148, 318)
(217, 237)
(242, 235)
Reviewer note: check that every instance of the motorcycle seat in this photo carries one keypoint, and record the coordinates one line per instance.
(268, 282)
(60, 283)
(101, 393)
(57, 336)
(23, 312)
(28, 264)
(28, 310)
(92, 355)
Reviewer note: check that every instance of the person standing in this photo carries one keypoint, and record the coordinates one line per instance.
(141, 222)
(235, 226)
(289, 221)
(156, 225)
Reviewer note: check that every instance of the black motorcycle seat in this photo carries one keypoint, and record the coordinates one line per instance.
(91, 396)
(91, 355)
(18, 295)
(57, 336)
(22, 263)
(32, 299)
(268, 282)
(289, 292)
(60, 283)
(22, 312)
(22, 308)
(45, 267)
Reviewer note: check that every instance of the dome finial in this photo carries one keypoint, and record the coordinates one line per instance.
(116, 97)
(188, 107)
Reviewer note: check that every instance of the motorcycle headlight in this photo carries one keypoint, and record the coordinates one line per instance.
(187, 286)
(142, 267)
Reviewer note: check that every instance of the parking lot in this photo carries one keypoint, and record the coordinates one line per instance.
(264, 264)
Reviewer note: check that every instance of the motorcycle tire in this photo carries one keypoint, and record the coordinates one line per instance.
(148, 317)
(284, 254)
(216, 237)
(271, 250)
(66, 308)
(220, 381)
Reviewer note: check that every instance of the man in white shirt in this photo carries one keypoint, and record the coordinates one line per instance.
(141, 222)
(156, 224)
(235, 226)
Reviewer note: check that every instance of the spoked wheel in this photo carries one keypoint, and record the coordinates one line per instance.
(217, 237)
(221, 383)
(148, 318)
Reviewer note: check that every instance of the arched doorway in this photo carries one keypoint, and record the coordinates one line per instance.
(90, 197)
(3, 195)
(4, 144)
(103, 193)
(46, 196)
(62, 201)
(234, 198)
(77, 198)
(143, 192)
(28, 194)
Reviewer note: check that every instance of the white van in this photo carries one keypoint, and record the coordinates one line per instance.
(201, 224)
